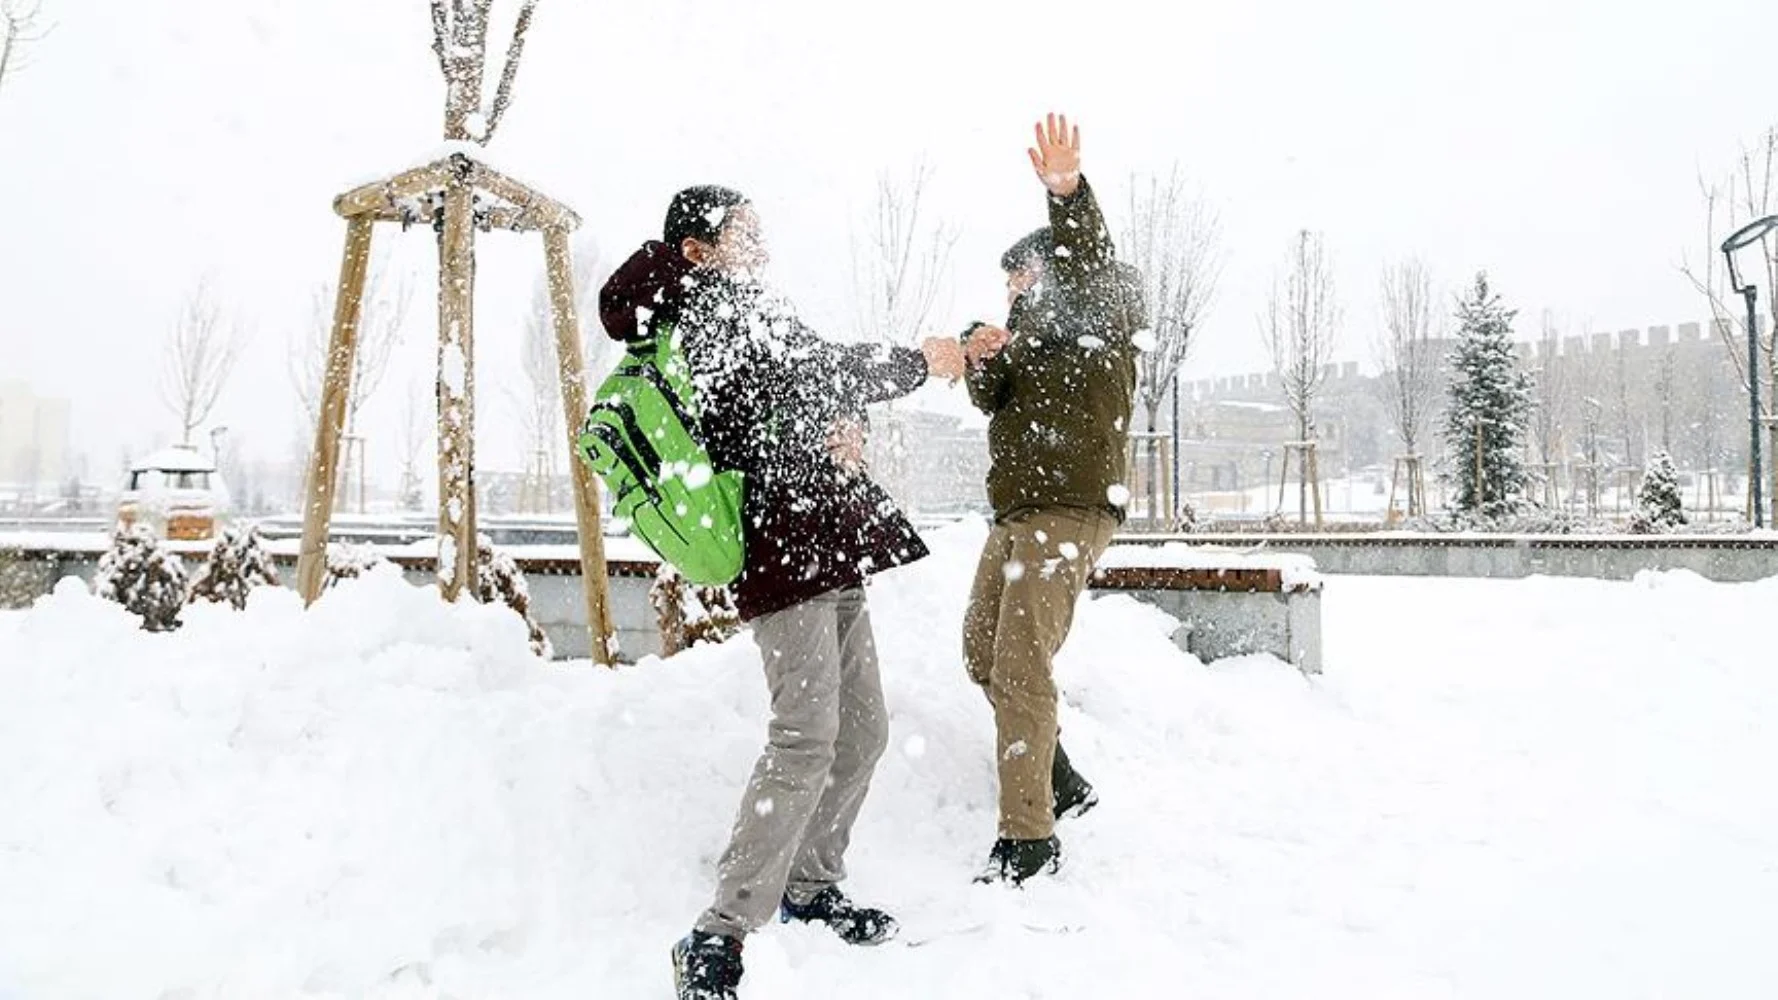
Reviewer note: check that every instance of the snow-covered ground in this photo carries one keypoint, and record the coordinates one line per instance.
(1508, 789)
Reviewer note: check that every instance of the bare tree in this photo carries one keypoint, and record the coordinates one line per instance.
(1299, 326)
(1406, 352)
(383, 313)
(200, 355)
(460, 40)
(1749, 192)
(900, 260)
(1552, 410)
(1175, 240)
(20, 28)
(416, 437)
(539, 404)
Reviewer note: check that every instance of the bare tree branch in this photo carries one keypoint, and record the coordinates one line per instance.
(200, 355)
(384, 314)
(1549, 421)
(441, 30)
(417, 425)
(1174, 241)
(899, 263)
(539, 403)
(514, 52)
(1404, 350)
(19, 29)
(1300, 325)
(1751, 186)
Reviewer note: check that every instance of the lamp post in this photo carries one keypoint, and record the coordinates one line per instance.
(1747, 235)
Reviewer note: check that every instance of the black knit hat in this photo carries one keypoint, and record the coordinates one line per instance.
(1036, 247)
(698, 213)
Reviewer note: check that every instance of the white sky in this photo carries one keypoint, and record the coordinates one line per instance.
(1556, 143)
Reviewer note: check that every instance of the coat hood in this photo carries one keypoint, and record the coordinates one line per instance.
(650, 285)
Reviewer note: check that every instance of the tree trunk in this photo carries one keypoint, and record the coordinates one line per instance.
(1302, 481)
(1153, 408)
(1476, 487)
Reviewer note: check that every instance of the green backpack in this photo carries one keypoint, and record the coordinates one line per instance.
(642, 437)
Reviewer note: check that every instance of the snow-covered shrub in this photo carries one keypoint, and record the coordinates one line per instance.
(497, 578)
(690, 615)
(349, 562)
(1658, 503)
(1189, 519)
(142, 576)
(238, 563)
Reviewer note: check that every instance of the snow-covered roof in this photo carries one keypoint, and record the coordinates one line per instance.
(179, 458)
(1244, 404)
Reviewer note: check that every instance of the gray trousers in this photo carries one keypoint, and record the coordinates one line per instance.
(829, 726)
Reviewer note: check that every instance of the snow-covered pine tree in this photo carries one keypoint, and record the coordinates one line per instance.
(144, 577)
(1488, 409)
(497, 578)
(238, 563)
(1658, 503)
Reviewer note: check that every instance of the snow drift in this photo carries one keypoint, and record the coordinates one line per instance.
(1500, 789)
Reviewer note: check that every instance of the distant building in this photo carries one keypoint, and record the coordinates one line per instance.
(34, 454)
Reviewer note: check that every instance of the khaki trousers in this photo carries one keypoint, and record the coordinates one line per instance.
(1033, 570)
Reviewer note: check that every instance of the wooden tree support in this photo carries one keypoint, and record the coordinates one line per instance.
(1408, 470)
(458, 196)
(1149, 459)
(1308, 479)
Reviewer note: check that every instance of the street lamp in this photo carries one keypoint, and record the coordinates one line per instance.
(1749, 234)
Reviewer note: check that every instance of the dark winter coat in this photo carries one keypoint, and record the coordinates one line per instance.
(1059, 395)
(769, 390)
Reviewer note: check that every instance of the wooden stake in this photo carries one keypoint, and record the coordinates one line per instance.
(1315, 478)
(323, 476)
(571, 371)
(456, 400)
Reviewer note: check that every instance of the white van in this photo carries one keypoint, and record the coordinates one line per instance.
(176, 491)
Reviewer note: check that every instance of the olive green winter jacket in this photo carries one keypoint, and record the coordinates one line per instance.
(1059, 395)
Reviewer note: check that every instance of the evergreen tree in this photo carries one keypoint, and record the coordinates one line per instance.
(1489, 409)
(1658, 504)
(238, 563)
(144, 577)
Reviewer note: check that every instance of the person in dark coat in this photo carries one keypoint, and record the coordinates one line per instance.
(785, 408)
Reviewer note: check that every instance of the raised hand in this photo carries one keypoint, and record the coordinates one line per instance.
(1056, 157)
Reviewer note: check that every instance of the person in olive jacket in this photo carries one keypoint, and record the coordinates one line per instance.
(785, 408)
(1058, 383)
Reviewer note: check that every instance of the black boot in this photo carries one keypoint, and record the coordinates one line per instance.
(853, 923)
(1074, 795)
(1014, 861)
(707, 966)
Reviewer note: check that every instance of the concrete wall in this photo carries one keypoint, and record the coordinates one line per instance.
(1217, 624)
(1725, 558)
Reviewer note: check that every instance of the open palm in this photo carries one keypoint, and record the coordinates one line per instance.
(1056, 157)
